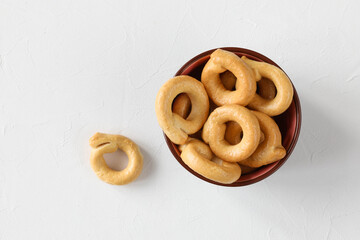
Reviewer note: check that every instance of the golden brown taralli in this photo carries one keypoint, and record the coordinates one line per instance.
(198, 156)
(236, 140)
(215, 127)
(270, 150)
(102, 143)
(284, 89)
(219, 62)
(174, 126)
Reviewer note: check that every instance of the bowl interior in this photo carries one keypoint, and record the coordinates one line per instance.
(289, 122)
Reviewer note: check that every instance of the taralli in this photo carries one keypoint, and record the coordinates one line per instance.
(266, 89)
(215, 127)
(239, 135)
(182, 105)
(270, 150)
(106, 143)
(284, 89)
(174, 126)
(220, 61)
(197, 155)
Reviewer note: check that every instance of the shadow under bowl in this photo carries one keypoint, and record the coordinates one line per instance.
(289, 122)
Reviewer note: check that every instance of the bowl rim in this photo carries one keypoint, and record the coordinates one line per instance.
(276, 165)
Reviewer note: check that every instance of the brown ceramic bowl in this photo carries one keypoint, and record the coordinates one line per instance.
(289, 122)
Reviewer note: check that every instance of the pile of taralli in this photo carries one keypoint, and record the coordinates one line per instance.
(239, 135)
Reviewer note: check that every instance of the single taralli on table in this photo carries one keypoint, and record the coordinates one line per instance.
(102, 143)
(239, 135)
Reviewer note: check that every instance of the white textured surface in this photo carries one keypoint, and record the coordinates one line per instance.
(71, 68)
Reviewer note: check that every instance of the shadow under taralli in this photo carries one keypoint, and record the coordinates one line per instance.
(148, 166)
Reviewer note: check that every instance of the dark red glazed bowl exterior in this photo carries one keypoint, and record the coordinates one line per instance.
(289, 122)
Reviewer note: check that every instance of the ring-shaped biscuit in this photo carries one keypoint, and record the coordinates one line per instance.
(174, 126)
(284, 89)
(220, 61)
(197, 155)
(102, 143)
(215, 127)
(270, 150)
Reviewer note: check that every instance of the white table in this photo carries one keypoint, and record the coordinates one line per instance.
(71, 68)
